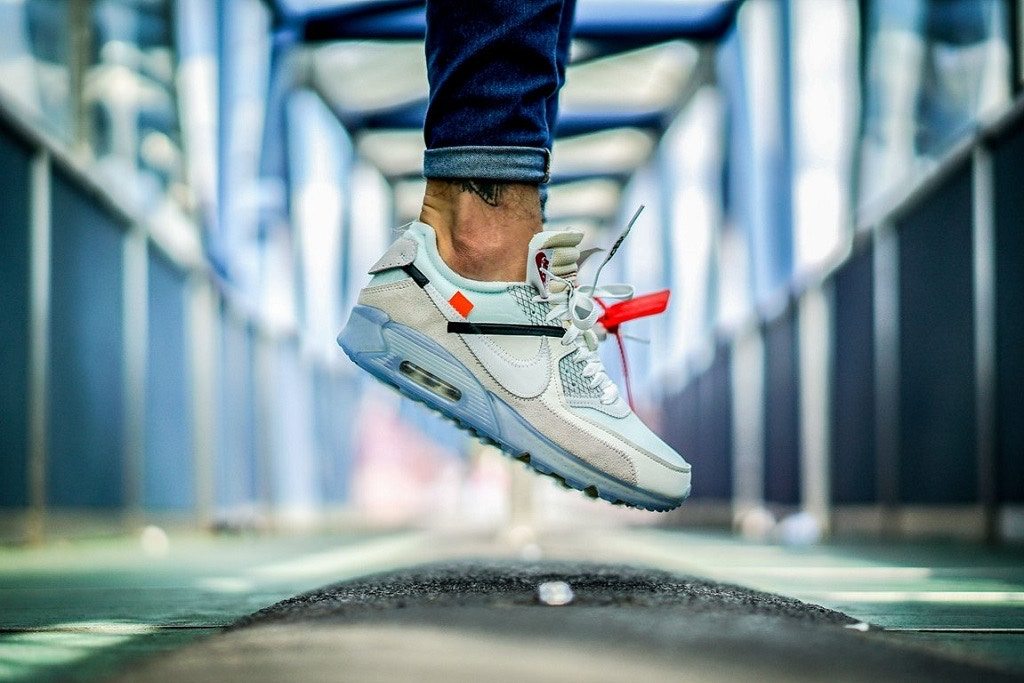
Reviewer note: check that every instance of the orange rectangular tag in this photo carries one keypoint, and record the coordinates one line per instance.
(461, 304)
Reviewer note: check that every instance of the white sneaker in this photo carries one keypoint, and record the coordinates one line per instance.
(515, 363)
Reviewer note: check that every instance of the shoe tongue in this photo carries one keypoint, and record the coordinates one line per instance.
(556, 251)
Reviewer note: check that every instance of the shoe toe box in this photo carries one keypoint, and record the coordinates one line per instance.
(659, 468)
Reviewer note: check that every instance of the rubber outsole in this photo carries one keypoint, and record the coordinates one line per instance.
(380, 346)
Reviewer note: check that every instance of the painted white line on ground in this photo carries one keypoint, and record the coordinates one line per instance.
(105, 628)
(954, 629)
(226, 584)
(346, 561)
(795, 571)
(1014, 598)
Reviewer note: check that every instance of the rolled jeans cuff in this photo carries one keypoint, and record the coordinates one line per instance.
(511, 164)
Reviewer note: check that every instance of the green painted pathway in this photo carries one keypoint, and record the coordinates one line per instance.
(79, 611)
(963, 599)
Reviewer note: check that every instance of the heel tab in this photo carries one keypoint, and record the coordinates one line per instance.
(402, 252)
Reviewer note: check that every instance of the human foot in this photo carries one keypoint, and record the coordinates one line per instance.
(483, 227)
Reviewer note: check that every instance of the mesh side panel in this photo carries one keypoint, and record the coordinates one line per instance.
(536, 311)
(574, 384)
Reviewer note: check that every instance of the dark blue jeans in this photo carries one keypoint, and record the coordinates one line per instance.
(495, 68)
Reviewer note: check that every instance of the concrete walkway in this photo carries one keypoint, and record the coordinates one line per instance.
(488, 620)
(84, 611)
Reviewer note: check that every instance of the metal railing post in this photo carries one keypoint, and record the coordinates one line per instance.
(815, 396)
(203, 353)
(748, 423)
(984, 249)
(135, 294)
(887, 372)
(39, 342)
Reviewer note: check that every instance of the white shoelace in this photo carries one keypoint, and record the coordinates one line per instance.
(575, 306)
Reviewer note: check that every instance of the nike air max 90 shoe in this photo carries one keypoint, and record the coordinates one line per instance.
(515, 363)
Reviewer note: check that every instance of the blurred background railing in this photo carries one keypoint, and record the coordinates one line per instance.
(191, 193)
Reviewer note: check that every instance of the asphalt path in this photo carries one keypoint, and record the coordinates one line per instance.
(484, 620)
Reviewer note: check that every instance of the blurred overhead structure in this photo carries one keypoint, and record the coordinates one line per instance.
(634, 67)
(642, 23)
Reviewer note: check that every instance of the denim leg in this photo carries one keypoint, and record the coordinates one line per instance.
(561, 60)
(495, 67)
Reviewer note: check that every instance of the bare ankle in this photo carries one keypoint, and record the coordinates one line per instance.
(483, 227)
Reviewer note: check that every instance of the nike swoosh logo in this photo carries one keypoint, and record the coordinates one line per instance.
(524, 378)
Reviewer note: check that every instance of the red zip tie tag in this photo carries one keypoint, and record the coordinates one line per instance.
(637, 307)
(624, 311)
